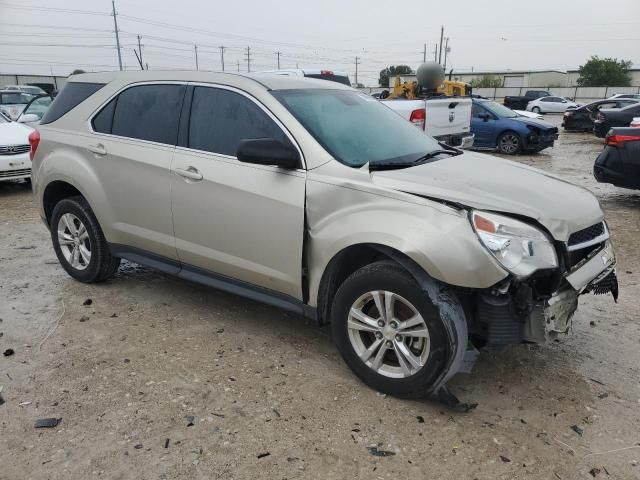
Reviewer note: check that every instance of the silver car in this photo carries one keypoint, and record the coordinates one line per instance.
(315, 198)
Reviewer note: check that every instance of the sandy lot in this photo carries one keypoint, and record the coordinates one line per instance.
(270, 396)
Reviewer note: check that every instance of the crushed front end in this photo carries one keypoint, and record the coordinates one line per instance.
(538, 307)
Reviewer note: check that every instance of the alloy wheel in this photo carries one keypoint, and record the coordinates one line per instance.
(388, 334)
(74, 242)
(509, 143)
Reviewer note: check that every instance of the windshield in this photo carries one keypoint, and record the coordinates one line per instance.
(498, 110)
(38, 106)
(14, 98)
(356, 128)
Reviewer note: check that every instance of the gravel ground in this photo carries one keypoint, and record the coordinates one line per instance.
(269, 395)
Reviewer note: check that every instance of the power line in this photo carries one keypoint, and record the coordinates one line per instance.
(52, 9)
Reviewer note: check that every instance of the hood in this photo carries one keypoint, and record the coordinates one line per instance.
(534, 122)
(485, 182)
(14, 134)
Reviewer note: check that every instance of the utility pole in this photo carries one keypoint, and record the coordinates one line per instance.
(140, 53)
(357, 63)
(435, 53)
(222, 49)
(441, 38)
(424, 53)
(446, 51)
(195, 49)
(278, 54)
(115, 23)
(248, 54)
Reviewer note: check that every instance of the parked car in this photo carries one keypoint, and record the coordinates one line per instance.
(581, 119)
(35, 110)
(521, 102)
(340, 77)
(497, 127)
(615, 117)
(551, 105)
(12, 102)
(316, 198)
(30, 89)
(635, 96)
(14, 150)
(619, 162)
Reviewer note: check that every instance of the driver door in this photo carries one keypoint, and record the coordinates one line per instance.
(238, 220)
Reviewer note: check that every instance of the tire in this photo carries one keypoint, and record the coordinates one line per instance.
(509, 143)
(536, 110)
(386, 372)
(93, 261)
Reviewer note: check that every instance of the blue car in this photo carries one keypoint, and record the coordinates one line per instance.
(497, 127)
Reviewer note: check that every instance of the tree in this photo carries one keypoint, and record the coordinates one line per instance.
(604, 72)
(392, 71)
(487, 81)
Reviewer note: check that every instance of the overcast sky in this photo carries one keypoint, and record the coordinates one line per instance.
(483, 35)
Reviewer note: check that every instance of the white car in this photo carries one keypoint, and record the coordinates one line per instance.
(524, 113)
(15, 163)
(550, 105)
(31, 89)
(634, 96)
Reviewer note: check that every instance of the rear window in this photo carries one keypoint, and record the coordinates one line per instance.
(343, 79)
(72, 95)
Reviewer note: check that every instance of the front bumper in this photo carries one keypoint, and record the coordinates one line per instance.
(540, 142)
(15, 167)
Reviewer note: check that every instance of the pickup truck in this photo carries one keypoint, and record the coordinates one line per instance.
(447, 119)
(520, 103)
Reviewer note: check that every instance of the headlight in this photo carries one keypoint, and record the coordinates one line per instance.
(519, 247)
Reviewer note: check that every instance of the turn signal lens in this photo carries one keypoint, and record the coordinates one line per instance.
(483, 224)
(34, 141)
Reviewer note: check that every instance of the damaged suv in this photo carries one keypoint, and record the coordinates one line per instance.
(318, 199)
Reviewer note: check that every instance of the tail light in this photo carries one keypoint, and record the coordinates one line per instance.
(34, 141)
(619, 140)
(418, 118)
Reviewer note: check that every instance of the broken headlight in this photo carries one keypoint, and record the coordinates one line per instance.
(519, 247)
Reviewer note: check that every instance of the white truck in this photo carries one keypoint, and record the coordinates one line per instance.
(447, 119)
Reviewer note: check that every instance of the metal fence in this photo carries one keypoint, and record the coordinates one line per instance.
(12, 79)
(579, 94)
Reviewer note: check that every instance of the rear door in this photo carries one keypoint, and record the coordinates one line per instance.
(132, 145)
(482, 127)
(235, 219)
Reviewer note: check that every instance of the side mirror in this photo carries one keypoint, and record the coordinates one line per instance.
(268, 151)
(28, 118)
(484, 116)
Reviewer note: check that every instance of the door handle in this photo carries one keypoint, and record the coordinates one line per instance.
(97, 149)
(191, 173)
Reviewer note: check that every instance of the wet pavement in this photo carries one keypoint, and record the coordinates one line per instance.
(270, 396)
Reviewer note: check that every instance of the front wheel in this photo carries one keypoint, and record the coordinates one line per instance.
(79, 242)
(509, 143)
(388, 331)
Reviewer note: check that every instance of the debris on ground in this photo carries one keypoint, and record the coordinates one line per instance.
(84, 318)
(262, 455)
(595, 471)
(603, 395)
(138, 446)
(8, 352)
(47, 422)
(376, 452)
(420, 419)
(577, 429)
(505, 459)
(166, 443)
(1, 399)
(190, 420)
(87, 302)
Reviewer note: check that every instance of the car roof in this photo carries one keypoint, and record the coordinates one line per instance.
(269, 81)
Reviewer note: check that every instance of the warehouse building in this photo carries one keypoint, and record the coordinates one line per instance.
(519, 78)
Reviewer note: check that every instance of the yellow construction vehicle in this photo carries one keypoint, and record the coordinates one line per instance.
(434, 75)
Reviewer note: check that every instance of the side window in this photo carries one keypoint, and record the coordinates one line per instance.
(221, 119)
(476, 110)
(146, 112)
(546, 99)
(103, 121)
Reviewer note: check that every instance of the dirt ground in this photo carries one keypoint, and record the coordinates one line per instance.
(269, 395)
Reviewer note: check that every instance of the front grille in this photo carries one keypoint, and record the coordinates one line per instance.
(14, 149)
(587, 234)
(15, 173)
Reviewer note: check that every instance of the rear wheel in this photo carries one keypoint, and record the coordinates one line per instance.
(79, 242)
(388, 331)
(536, 110)
(509, 143)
